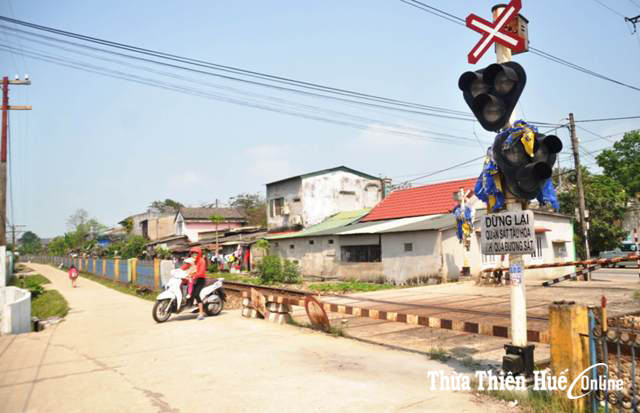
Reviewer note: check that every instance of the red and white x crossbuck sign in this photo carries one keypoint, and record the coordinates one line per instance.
(495, 32)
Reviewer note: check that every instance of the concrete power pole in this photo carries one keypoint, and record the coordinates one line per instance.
(581, 205)
(3, 156)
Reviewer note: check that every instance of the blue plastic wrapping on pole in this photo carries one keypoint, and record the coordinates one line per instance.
(548, 195)
(463, 221)
(489, 186)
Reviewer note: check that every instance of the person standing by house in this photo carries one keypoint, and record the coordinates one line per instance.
(73, 275)
(199, 277)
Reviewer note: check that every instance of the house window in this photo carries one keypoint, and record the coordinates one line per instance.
(537, 254)
(408, 246)
(560, 251)
(330, 241)
(291, 246)
(275, 244)
(311, 242)
(276, 206)
(360, 253)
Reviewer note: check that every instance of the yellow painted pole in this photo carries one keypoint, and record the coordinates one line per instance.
(104, 266)
(569, 344)
(133, 263)
(156, 273)
(116, 268)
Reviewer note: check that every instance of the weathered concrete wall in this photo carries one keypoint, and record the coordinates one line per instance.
(327, 194)
(421, 263)
(161, 227)
(290, 191)
(15, 310)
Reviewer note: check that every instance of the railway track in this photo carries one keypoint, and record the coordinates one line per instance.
(287, 292)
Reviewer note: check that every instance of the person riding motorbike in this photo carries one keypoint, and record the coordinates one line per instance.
(198, 277)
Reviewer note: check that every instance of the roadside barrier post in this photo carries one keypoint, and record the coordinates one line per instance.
(569, 344)
(116, 268)
(156, 273)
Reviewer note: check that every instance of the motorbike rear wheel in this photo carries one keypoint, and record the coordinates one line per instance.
(213, 308)
(161, 311)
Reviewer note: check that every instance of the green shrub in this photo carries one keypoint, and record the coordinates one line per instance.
(290, 272)
(270, 269)
(34, 287)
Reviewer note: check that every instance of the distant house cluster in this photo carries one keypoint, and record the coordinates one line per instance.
(340, 223)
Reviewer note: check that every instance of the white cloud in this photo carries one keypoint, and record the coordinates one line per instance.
(267, 163)
(184, 179)
(381, 138)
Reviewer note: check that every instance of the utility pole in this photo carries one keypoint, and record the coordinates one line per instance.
(3, 152)
(13, 237)
(581, 205)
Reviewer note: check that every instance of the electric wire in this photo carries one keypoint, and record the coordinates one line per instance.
(202, 83)
(236, 70)
(538, 52)
(409, 133)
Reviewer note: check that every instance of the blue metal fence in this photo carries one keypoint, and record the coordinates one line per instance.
(145, 274)
(123, 274)
(616, 343)
(98, 267)
(110, 269)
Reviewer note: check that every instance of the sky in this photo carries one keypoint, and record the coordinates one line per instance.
(112, 146)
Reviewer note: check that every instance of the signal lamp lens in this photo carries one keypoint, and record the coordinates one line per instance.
(478, 87)
(503, 84)
(493, 111)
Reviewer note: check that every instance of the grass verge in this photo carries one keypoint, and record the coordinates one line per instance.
(44, 303)
(49, 304)
(137, 291)
(531, 401)
(348, 287)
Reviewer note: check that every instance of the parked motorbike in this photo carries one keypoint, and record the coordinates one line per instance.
(171, 299)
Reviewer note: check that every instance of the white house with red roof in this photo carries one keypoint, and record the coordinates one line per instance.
(410, 237)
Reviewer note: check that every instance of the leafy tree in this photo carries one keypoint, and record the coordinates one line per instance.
(133, 247)
(29, 243)
(623, 162)
(253, 205)
(78, 218)
(127, 224)
(168, 205)
(606, 200)
(57, 246)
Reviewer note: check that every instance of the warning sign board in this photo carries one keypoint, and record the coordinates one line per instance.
(508, 233)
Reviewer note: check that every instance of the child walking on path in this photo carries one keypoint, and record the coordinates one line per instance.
(73, 275)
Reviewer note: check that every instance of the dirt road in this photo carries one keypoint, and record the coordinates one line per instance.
(109, 356)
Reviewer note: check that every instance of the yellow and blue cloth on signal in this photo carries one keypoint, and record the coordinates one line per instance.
(489, 185)
(464, 221)
(524, 132)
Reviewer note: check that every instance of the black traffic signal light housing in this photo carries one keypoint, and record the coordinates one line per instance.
(492, 93)
(525, 175)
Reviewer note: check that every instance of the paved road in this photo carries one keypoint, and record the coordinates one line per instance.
(109, 356)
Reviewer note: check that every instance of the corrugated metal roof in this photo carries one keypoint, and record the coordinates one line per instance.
(205, 213)
(326, 227)
(324, 171)
(420, 201)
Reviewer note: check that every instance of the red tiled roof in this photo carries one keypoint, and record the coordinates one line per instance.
(421, 200)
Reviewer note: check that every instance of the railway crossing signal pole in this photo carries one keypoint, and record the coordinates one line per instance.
(3, 165)
(522, 157)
